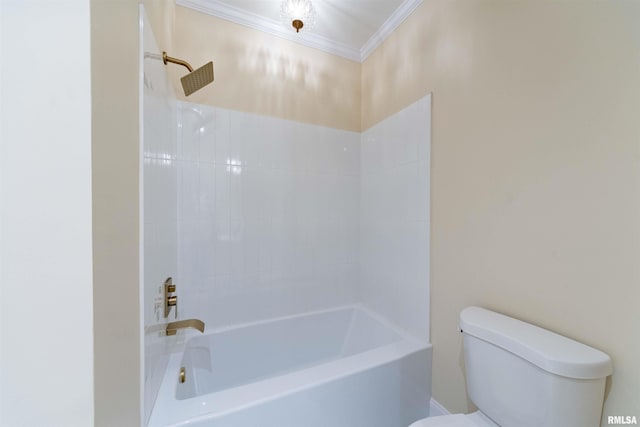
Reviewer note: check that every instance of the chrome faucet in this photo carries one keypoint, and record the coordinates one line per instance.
(173, 327)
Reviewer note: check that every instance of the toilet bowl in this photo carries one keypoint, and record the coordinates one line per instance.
(518, 374)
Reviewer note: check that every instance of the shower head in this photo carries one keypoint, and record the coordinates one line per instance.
(195, 80)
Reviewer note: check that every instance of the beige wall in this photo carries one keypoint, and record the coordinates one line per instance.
(259, 73)
(115, 163)
(535, 169)
(162, 15)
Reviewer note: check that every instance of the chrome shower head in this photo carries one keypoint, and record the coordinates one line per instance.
(195, 80)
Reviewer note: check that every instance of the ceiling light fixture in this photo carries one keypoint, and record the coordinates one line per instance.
(299, 14)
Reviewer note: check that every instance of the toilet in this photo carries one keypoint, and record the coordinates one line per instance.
(520, 375)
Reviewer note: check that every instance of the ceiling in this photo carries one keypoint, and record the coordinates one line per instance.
(349, 28)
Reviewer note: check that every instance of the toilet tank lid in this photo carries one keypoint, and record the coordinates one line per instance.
(549, 351)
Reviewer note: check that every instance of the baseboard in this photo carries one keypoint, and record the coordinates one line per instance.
(436, 409)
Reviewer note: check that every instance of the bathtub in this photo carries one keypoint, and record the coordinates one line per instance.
(344, 367)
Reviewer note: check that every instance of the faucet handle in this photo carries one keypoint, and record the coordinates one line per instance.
(170, 300)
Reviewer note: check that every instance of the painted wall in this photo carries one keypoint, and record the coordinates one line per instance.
(46, 333)
(535, 169)
(115, 174)
(267, 212)
(161, 15)
(259, 73)
(394, 218)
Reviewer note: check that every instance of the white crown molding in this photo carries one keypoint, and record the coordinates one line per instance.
(401, 13)
(270, 26)
(239, 16)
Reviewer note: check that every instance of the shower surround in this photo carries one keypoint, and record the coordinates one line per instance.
(277, 217)
(284, 220)
(270, 225)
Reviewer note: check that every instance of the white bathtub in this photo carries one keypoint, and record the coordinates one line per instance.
(345, 367)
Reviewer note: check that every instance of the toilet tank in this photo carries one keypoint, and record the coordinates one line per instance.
(520, 375)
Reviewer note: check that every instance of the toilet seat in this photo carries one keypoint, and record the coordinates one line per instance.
(476, 419)
(457, 420)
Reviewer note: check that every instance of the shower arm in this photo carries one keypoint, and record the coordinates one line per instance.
(166, 58)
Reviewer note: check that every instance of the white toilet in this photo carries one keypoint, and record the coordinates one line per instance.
(520, 375)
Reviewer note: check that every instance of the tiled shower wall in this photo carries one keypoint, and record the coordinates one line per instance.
(268, 214)
(394, 218)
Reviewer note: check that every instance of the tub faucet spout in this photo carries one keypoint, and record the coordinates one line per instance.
(173, 327)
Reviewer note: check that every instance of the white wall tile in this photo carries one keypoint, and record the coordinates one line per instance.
(221, 223)
(188, 196)
(394, 218)
(420, 123)
(241, 131)
(196, 133)
(256, 134)
(281, 202)
(222, 137)
(207, 192)
(207, 134)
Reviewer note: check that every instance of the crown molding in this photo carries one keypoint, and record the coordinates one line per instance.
(401, 13)
(239, 16)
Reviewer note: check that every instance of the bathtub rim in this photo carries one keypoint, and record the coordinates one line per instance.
(403, 333)
(171, 412)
